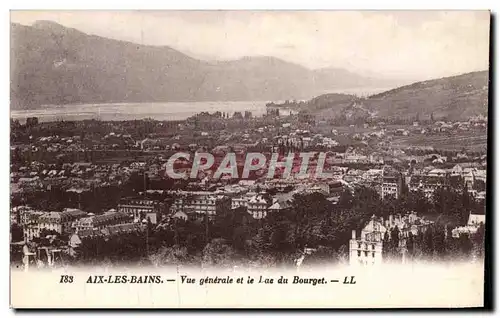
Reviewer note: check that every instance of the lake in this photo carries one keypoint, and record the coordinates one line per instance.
(131, 111)
(158, 111)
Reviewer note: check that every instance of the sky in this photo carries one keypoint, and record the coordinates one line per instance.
(411, 44)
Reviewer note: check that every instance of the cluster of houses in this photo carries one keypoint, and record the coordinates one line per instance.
(241, 134)
(253, 195)
(65, 223)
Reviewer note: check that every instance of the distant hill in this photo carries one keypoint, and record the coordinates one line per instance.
(53, 64)
(452, 98)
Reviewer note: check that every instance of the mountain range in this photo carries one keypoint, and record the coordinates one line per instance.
(52, 64)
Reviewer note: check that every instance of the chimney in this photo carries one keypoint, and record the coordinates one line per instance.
(353, 234)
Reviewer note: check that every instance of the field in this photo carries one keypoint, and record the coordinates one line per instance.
(470, 140)
(458, 141)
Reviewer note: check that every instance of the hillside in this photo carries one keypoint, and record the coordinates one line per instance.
(52, 64)
(455, 98)
(330, 105)
(452, 98)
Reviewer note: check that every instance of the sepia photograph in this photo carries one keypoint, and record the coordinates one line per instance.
(249, 159)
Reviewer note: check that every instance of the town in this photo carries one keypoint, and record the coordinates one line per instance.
(96, 192)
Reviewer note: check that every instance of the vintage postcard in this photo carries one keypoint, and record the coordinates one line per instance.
(249, 159)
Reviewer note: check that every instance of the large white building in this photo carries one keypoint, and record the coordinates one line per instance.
(200, 203)
(142, 208)
(476, 219)
(428, 185)
(473, 224)
(367, 249)
(255, 203)
(257, 206)
(99, 222)
(60, 222)
(392, 185)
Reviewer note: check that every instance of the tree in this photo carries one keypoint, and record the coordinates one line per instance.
(452, 248)
(218, 253)
(45, 232)
(478, 242)
(260, 243)
(346, 199)
(450, 203)
(438, 240)
(16, 232)
(479, 185)
(394, 243)
(174, 255)
(91, 250)
(428, 243)
(323, 255)
(386, 247)
(410, 245)
(466, 205)
(239, 238)
(150, 225)
(465, 245)
(418, 202)
(343, 254)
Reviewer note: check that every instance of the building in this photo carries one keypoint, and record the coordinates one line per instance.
(476, 219)
(197, 204)
(257, 206)
(440, 173)
(367, 249)
(470, 173)
(281, 204)
(392, 184)
(238, 201)
(142, 209)
(28, 215)
(473, 224)
(98, 222)
(310, 188)
(60, 222)
(179, 215)
(427, 184)
(126, 228)
(112, 230)
(409, 223)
